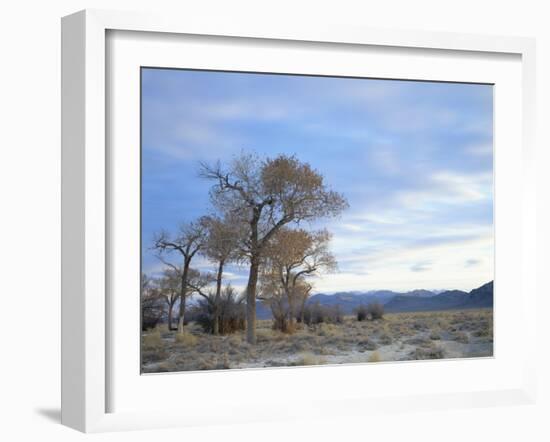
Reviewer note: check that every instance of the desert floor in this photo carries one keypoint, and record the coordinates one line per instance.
(396, 337)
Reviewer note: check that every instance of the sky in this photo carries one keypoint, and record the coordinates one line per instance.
(414, 160)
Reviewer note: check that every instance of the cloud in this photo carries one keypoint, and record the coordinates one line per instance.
(421, 267)
(154, 269)
(472, 262)
(405, 268)
(386, 159)
(480, 150)
(249, 110)
(449, 188)
(352, 227)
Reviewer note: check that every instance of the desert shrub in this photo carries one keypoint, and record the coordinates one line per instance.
(224, 363)
(361, 312)
(235, 340)
(207, 364)
(264, 335)
(485, 330)
(308, 359)
(335, 315)
(232, 314)
(329, 330)
(375, 310)
(154, 350)
(281, 322)
(301, 346)
(460, 336)
(186, 339)
(385, 339)
(318, 314)
(325, 351)
(152, 340)
(375, 357)
(203, 314)
(309, 313)
(152, 309)
(400, 330)
(162, 328)
(367, 344)
(418, 340)
(430, 352)
(154, 355)
(279, 312)
(370, 311)
(166, 366)
(435, 336)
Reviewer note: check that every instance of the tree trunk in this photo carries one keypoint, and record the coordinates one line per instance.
(302, 308)
(170, 306)
(251, 300)
(291, 327)
(183, 292)
(253, 278)
(216, 323)
(290, 311)
(181, 317)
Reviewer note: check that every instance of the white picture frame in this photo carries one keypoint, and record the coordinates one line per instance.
(86, 205)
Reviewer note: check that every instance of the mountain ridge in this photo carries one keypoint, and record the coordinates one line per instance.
(396, 302)
(449, 300)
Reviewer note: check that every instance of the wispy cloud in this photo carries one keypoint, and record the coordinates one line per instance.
(414, 160)
(421, 267)
(472, 262)
(447, 188)
(480, 150)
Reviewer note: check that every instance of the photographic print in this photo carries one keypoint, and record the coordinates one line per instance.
(299, 220)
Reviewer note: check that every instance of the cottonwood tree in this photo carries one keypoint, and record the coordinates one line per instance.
(294, 255)
(170, 289)
(271, 293)
(221, 247)
(302, 291)
(264, 196)
(187, 242)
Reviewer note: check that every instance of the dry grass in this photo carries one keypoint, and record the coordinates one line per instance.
(186, 339)
(460, 336)
(162, 328)
(308, 359)
(429, 352)
(398, 336)
(375, 357)
(367, 345)
(152, 340)
(385, 339)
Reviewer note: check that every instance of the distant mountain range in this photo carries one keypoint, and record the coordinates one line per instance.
(412, 301)
(450, 299)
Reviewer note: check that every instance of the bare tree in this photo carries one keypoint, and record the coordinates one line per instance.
(302, 291)
(293, 256)
(272, 294)
(265, 195)
(229, 307)
(170, 289)
(152, 306)
(221, 247)
(187, 243)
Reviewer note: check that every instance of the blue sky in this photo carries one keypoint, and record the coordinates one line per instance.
(414, 159)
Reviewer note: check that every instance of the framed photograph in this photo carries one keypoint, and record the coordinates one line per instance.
(345, 216)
